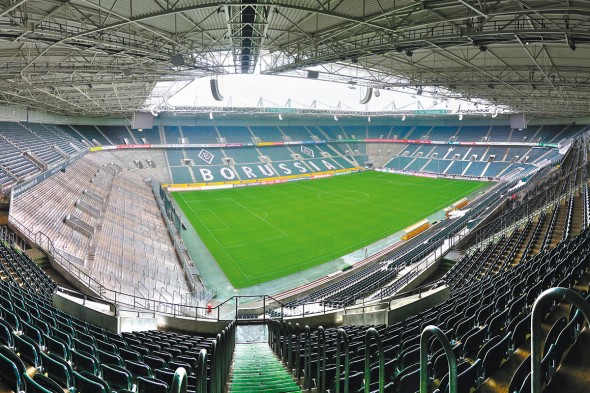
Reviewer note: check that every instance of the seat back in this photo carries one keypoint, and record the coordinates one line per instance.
(110, 358)
(28, 350)
(83, 361)
(11, 370)
(58, 369)
(57, 346)
(138, 369)
(86, 385)
(151, 385)
(41, 384)
(469, 378)
(117, 377)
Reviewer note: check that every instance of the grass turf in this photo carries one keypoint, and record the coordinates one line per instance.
(258, 234)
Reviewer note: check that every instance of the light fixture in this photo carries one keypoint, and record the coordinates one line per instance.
(335, 118)
(211, 115)
(369, 119)
(280, 116)
(140, 129)
(460, 116)
(570, 41)
(404, 118)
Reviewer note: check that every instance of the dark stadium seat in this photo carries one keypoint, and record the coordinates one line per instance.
(57, 346)
(151, 385)
(28, 350)
(110, 358)
(90, 383)
(130, 354)
(41, 384)
(6, 337)
(494, 356)
(138, 369)
(84, 362)
(117, 377)
(58, 369)
(154, 362)
(12, 369)
(468, 378)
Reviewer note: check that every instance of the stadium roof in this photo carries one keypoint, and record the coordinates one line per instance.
(104, 57)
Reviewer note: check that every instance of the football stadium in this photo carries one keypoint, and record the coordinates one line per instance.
(322, 196)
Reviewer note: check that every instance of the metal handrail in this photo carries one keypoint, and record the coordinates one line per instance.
(372, 333)
(202, 369)
(451, 359)
(321, 364)
(284, 348)
(557, 293)
(289, 347)
(307, 358)
(342, 338)
(297, 351)
(179, 381)
(214, 386)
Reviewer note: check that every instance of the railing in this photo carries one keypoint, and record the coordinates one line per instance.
(451, 359)
(185, 259)
(222, 349)
(537, 329)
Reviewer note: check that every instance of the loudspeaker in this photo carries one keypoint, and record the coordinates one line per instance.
(142, 120)
(518, 121)
(177, 59)
(367, 96)
(215, 90)
(313, 74)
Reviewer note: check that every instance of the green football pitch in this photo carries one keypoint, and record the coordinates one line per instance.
(258, 234)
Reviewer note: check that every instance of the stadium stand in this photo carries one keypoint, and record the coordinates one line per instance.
(267, 133)
(47, 350)
(92, 135)
(235, 134)
(118, 135)
(105, 220)
(100, 212)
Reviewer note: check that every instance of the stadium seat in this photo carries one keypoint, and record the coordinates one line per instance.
(58, 369)
(90, 383)
(12, 369)
(151, 385)
(117, 377)
(138, 369)
(84, 362)
(41, 384)
(28, 350)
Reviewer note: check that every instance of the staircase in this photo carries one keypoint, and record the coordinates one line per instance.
(256, 369)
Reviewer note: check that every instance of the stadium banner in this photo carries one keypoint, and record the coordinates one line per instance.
(17, 190)
(421, 141)
(137, 146)
(255, 182)
(312, 142)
